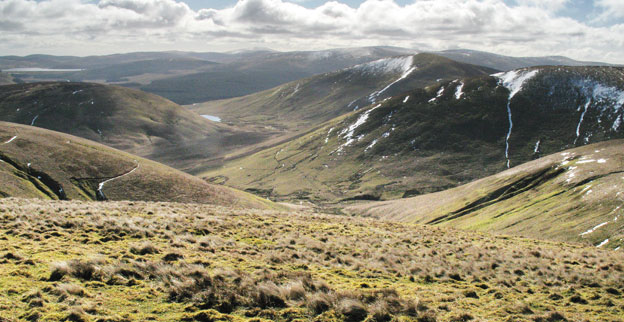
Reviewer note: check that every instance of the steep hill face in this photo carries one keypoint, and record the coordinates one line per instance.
(38, 163)
(441, 136)
(576, 195)
(137, 122)
(300, 104)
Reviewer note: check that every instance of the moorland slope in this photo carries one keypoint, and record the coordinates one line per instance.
(576, 195)
(38, 163)
(120, 261)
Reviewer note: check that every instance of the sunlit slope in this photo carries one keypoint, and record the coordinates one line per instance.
(576, 195)
(441, 136)
(88, 261)
(38, 163)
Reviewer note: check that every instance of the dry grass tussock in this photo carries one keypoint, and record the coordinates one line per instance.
(87, 261)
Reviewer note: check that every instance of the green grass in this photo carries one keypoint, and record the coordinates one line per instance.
(196, 262)
(556, 197)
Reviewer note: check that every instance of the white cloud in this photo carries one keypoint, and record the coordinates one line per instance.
(78, 27)
(550, 5)
(611, 8)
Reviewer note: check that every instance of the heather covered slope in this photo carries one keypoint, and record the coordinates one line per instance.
(441, 136)
(38, 163)
(121, 261)
(136, 122)
(575, 195)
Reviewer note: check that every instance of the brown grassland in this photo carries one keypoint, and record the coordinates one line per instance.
(140, 261)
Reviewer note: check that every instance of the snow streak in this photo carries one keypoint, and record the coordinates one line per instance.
(101, 185)
(10, 140)
(403, 64)
(513, 81)
(578, 127)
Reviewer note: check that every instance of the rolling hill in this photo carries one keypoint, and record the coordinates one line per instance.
(576, 195)
(38, 163)
(438, 137)
(502, 62)
(295, 107)
(140, 123)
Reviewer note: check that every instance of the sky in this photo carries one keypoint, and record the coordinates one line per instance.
(580, 29)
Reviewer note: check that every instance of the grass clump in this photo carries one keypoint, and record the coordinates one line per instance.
(331, 268)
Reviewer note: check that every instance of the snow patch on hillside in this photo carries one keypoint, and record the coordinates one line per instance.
(604, 242)
(386, 66)
(101, 185)
(347, 133)
(438, 95)
(617, 123)
(578, 127)
(459, 90)
(591, 230)
(10, 140)
(513, 81)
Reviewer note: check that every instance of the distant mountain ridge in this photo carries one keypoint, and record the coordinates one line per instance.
(193, 77)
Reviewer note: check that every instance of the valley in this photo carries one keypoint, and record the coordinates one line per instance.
(437, 137)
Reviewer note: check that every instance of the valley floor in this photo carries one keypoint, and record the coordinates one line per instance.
(138, 261)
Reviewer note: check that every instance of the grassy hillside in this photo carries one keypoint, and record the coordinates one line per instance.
(317, 99)
(38, 163)
(120, 261)
(438, 137)
(140, 123)
(576, 195)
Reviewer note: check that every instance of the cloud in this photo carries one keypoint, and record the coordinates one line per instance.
(528, 29)
(550, 5)
(612, 9)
